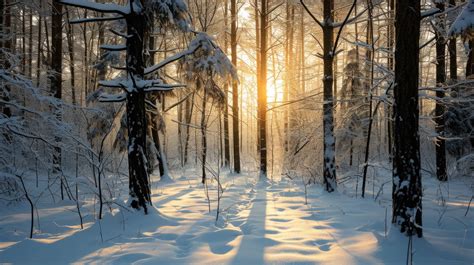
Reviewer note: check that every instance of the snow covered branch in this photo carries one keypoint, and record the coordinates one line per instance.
(103, 8)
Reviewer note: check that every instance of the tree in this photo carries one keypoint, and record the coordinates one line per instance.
(134, 86)
(407, 192)
(235, 88)
(226, 91)
(56, 75)
(262, 90)
(441, 173)
(329, 53)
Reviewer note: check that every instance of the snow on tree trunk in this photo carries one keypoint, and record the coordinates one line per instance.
(56, 68)
(136, 118)
(407, 192)
(329, 164)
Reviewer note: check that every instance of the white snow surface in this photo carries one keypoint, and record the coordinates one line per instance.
(259, 224)
(464, 23)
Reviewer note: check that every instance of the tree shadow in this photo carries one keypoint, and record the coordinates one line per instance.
(252, 246)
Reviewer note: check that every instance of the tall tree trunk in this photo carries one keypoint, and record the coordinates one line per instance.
(30, 45)
(391, 35)
(407, 191)
(470, 73)
(6, 44)
(40, 44)
(290, 13)
(470, 61)
(136, 116)
(23, 40)
(70, 42)
(235, 88)
(302, 52)
(226, 91)
(204, 137)
(441, 173)
(453, 65)
(370, 77)
(262, 90)
(156, 141)
(329, 164)
(56, 68)
(189, 106)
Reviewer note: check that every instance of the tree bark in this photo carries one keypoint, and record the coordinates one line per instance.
(329, 164)
(262, 90)
(226, 91)
(70, 42)
(470, 61)
(235, 89)
(440, 110)
(407, 191)
(390, 40)
(40, 45)
(290, 13)
(56, 68)
(453, 65)
(136, 116)
(6, 44)
(204, 137)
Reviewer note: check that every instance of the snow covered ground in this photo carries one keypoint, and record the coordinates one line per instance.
(259, 224)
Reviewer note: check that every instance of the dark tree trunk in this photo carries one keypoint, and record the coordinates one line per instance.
(226, 91)
(189, 106)
(23, 39)
(407, 192)
(329, 164)
(440, 107)
(156, 141)
(453, 65)
(136, 118)
(204, 137)
(470, 72)
(235, 89)
(262, 90)
(30, 45)
(391, 6)
(5, 24)
(56, 68)
(370, 77)
(70, 42)
(470, 61)
(40, 45)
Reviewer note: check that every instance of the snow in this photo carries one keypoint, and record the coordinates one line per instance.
(464, 23)
(259, 224)
(106, 8)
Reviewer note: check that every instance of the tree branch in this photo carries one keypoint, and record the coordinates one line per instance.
(98, 7)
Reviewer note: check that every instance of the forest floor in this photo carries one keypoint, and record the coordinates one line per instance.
(259, 223)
